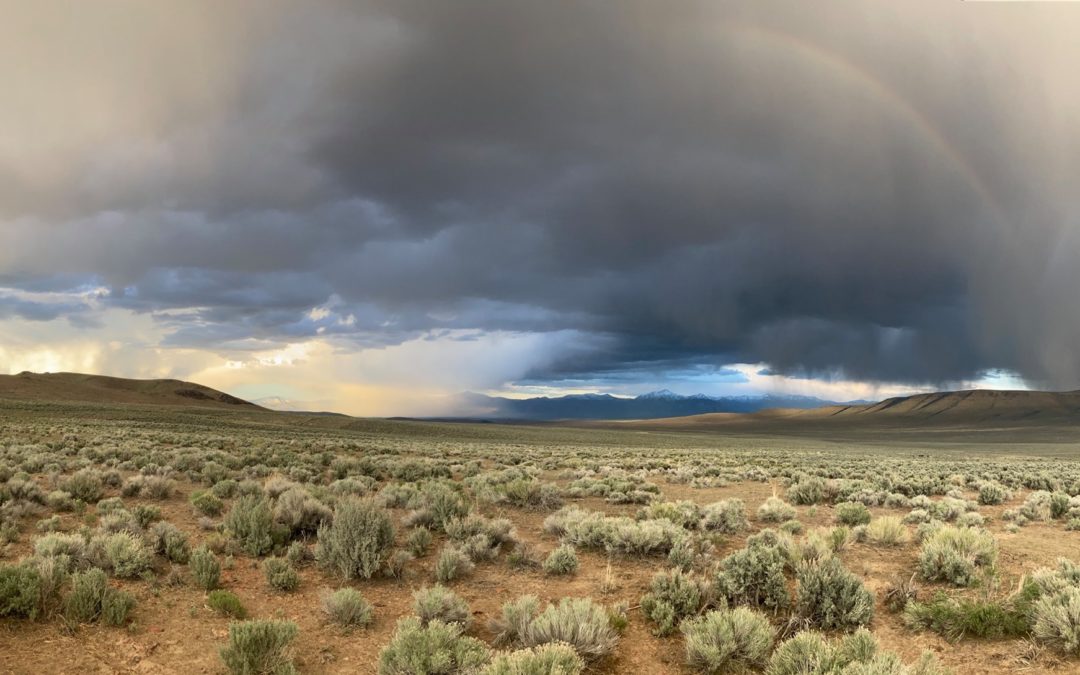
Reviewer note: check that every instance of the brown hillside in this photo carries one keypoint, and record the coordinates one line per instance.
(75, 387)
(973, 409)
(980, 404)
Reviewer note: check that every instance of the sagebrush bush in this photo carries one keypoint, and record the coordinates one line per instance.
(578, 622)
(949, 508)
(776, 510)
(438, 603)
(807, 491)
(397, 563)
(419, 541)
(169, 541)
(563, 560)
(84, 484)
(151, 487)
(497, 530)
(691, 551)
(225, 488)
(226, 603)
(831, 597)
(116, 606)
(357, 541)
(145, 514)
(20, 591)
(52, 545)
(83, 602)
(755, 576)
(683, 513)
(250, 523)
(52, 576)
(453, 563)
(728, 640)
(205, 568)
(672, 597)
(435, 649)
(444, 504)
(300, 513)
(957, 555)
(1057, 621)
(991, 493)
(59, 500)
(530, 494)
(347, 608)
(124, 554)
(514, 618)
(970, 519)
(260, 646)
(549, 659)
(280, 574)
(917, 516)
(206, 503)
(852, 513)
(810, 653)
(726, 517)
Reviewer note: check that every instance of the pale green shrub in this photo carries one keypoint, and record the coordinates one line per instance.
(357, 541)
(280, 574)
(441, 604)
(548, 659)
(776, 510)
(20, 591)
(728, 640)
(672, 597)
(260, 646)
(831, 597)
(755, 575)
(562, 560)
(435, 649)
(852, 513)
(250, 523)
(347, 608)
(205, 568)
(123, 554)
(453, 563)
(515, 617)
(578, 622)
(957, 555)
(726, 517)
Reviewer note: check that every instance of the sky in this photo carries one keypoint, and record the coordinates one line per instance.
(370, 206)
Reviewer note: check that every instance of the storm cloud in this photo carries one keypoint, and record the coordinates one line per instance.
(885, 192)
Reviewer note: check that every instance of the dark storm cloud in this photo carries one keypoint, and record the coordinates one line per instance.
(882, 191)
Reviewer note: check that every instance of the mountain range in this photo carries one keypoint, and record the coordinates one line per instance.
(656, 404)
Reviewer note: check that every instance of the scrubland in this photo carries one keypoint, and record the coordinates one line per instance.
(161, 540)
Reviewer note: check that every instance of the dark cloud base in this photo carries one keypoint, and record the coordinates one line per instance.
(885, 193)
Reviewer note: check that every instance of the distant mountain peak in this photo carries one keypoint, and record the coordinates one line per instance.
(661, 395)
(591, 396)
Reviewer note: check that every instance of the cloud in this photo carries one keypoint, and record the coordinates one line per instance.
(833, 191)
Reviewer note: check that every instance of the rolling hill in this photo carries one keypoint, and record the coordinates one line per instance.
(981, 408)
(977, 404)
(75, 387)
